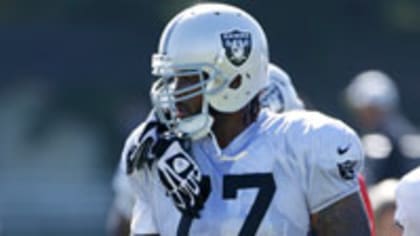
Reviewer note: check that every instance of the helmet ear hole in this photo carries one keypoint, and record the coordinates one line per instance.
(236, 83)
(206, 75)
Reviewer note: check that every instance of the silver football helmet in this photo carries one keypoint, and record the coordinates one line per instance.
(219, 44)
(373, 88)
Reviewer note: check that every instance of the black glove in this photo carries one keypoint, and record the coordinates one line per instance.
(142, 151)
(177, 169)
(181, 176)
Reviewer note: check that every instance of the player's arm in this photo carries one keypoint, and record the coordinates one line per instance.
(345, 217)
(121, 210)
(118, 224)
(333, 191)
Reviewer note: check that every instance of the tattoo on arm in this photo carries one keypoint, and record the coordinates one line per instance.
(346, 217)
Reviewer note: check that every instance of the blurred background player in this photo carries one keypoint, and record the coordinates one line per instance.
(391, 142)
(407, 215)
(382, 196)
(279, 96)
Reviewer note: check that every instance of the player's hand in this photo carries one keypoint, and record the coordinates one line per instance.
(182, 178)
(143, 150)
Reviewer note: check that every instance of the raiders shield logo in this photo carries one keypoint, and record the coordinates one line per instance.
(346, 169)
(237, 46)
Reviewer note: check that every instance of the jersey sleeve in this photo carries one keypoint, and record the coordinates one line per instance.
(334, 159)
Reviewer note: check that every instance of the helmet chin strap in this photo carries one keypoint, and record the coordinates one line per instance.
(197, 126)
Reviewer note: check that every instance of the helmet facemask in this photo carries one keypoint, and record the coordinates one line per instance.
(168, 99)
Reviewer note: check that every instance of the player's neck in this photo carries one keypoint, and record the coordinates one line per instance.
(227, 127)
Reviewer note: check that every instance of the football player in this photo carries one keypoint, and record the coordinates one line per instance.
(388, 137)
(214, 164)
(279, 96)
(407, 215)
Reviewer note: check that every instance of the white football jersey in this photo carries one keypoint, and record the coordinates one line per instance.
(408, 207)
(267, 181)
